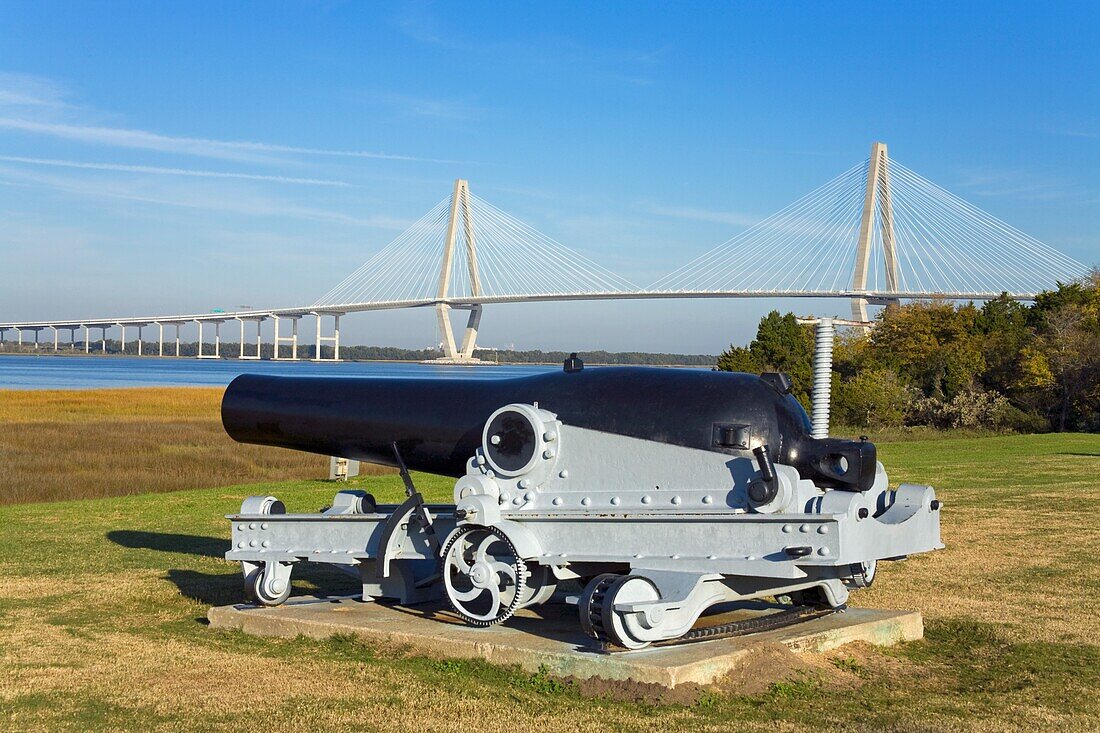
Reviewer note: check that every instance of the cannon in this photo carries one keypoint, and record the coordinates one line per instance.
(656, 494)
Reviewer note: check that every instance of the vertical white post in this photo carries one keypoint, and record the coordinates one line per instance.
(178, 339)
(160, 339)
(241, 354)
(122, 346)
(824, 331)
(317, 347)
(259, 338)
(275, 345)
(103, 333)
(19, 337)
(217, 339)
(294, 339)
(139, 328)
(54, 337)
(36, 339)
(200, 339)
(87, 340)
(336, 338)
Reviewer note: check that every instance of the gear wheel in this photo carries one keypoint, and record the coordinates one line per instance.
(590, 606)
(484, 579)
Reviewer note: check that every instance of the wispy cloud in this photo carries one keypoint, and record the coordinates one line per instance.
(687, 212)
(31, 93)
(125, 168)
(1017, 184)
(212, 197)
(430, 107)
(204, 147)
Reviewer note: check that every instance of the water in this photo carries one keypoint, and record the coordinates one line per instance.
(98, 372)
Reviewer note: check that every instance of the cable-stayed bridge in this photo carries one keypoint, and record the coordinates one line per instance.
(877, 233)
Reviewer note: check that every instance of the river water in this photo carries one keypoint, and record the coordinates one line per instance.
(99, 372)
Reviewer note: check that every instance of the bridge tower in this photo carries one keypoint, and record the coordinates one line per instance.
(452, 353)
(877, 210)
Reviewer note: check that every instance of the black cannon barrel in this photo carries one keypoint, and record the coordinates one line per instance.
(437, 423)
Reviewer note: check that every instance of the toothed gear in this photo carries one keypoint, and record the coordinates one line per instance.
(485, 580)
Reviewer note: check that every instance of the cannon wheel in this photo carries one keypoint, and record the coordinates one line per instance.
(266, 587)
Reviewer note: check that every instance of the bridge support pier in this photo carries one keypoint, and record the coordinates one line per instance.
(122, 342)
(103, 339)
(55, 331)
(452, 353)
(259, 339)
(292, 339)
(217, 340)
(334, 339)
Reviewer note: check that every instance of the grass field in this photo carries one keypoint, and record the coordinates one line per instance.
(102, 604)
(70, 444)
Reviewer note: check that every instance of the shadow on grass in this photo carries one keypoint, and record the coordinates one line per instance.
(1080, 453)
(213, 589)
(188, 544)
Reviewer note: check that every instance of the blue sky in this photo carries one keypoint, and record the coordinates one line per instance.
(160, 157)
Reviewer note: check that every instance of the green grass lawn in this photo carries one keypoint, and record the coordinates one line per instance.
(102, 607)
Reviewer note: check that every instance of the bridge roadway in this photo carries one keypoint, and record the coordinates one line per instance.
(344, 309)
(258, 316)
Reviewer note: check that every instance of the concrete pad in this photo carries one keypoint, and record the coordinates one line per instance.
(549, 636)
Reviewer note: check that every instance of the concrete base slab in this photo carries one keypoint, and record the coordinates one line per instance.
(549, 636)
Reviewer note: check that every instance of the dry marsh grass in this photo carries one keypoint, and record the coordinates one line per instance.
(80, 444)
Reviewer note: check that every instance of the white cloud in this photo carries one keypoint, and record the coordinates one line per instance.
(215, 197)
(203, 147)
(125, 168)
(30, 93)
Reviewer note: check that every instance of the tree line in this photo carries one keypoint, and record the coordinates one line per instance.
(1004, 365)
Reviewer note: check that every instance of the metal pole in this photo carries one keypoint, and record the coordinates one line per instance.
(824, 332)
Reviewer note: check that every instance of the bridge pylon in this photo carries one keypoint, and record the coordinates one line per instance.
(877, 210)
(460, 209)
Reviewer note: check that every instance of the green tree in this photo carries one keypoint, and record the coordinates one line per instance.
(1070, 341)
(873, 398)
(782, 344)
(934, 346)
